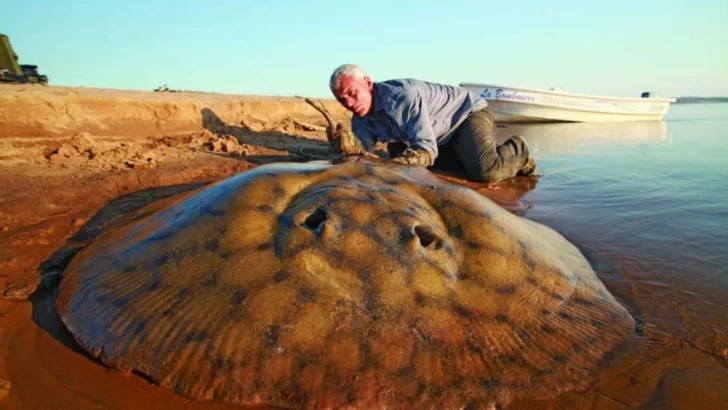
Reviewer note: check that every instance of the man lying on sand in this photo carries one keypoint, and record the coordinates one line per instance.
(418, 118)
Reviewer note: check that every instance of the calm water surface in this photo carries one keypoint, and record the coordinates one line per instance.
(648, 203)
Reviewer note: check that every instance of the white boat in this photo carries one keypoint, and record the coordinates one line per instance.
(517, 104)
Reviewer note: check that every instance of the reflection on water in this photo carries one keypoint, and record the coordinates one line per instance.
(648, 203)
(562, 138)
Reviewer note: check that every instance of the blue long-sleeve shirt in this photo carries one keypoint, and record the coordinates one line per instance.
(420, 113)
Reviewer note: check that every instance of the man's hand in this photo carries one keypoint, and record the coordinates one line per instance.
(342, 140)
(417, 157)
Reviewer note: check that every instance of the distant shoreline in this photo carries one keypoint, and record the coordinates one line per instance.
(700, 100)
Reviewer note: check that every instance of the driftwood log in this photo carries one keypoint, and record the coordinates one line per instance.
(308, 127)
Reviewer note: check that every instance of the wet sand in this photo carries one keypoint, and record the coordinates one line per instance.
(54, 198)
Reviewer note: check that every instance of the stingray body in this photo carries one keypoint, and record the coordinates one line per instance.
(358, 285)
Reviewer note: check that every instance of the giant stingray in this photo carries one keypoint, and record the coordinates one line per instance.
(358, 285)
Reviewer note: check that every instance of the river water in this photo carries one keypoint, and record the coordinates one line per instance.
(648, 204)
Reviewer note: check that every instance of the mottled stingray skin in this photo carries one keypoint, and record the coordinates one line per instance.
(357, 285)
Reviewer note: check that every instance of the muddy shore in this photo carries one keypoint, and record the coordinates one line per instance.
(67, 154)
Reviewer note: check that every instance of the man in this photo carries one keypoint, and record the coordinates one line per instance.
(417, 119)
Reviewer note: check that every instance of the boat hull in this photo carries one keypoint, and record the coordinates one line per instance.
(505, 111)
(523, 105)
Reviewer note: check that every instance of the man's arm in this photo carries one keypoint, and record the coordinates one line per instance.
(362, 132)
(340, 136)
(344, 141)
(416, 123)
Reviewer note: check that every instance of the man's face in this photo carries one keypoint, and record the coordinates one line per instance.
(355, 94)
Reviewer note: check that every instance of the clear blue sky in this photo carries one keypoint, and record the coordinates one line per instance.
(284, 48)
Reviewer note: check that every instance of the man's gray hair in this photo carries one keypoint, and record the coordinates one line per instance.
(351, 70)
